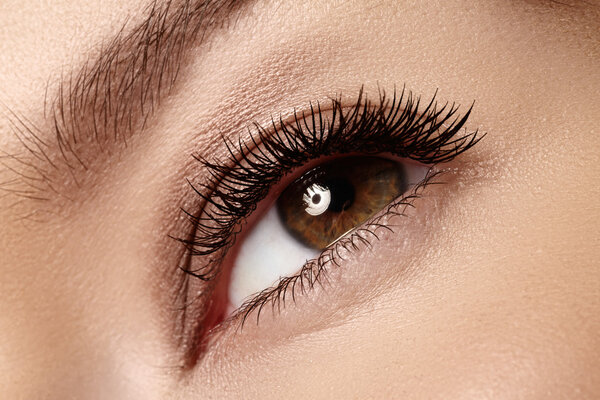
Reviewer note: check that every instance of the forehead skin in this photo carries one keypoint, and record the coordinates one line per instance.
(491, 290)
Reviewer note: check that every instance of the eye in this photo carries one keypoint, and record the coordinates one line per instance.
(259, 223)
(312, 212)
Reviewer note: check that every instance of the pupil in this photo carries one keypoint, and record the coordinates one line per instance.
(342, 194)
(316, 198)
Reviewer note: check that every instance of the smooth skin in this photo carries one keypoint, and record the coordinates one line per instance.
(490, 288)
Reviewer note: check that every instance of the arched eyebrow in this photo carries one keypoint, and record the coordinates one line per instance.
(110, 97)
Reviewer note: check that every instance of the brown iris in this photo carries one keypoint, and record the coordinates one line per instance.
(336, 196)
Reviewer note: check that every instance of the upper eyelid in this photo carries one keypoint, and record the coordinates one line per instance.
(305, 117)
(246, 147)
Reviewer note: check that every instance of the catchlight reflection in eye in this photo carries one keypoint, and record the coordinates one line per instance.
(314, 211)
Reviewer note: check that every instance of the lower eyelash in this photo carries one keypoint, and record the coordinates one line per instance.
(315, 272)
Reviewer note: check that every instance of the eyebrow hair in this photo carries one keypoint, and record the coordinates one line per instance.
(109, 98)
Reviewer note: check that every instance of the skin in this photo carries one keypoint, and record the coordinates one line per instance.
(487, 289)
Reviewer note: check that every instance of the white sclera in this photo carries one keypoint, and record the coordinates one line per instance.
(267, 254)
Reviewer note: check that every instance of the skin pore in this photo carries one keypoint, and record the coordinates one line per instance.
(488, 288)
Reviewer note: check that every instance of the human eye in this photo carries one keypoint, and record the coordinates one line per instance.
(276, 213)
(319, 208)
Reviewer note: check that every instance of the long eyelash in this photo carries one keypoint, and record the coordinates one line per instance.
(393, 124)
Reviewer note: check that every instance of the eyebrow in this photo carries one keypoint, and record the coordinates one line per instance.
(110, 98)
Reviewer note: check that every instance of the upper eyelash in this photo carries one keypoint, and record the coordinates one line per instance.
(394, 125)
